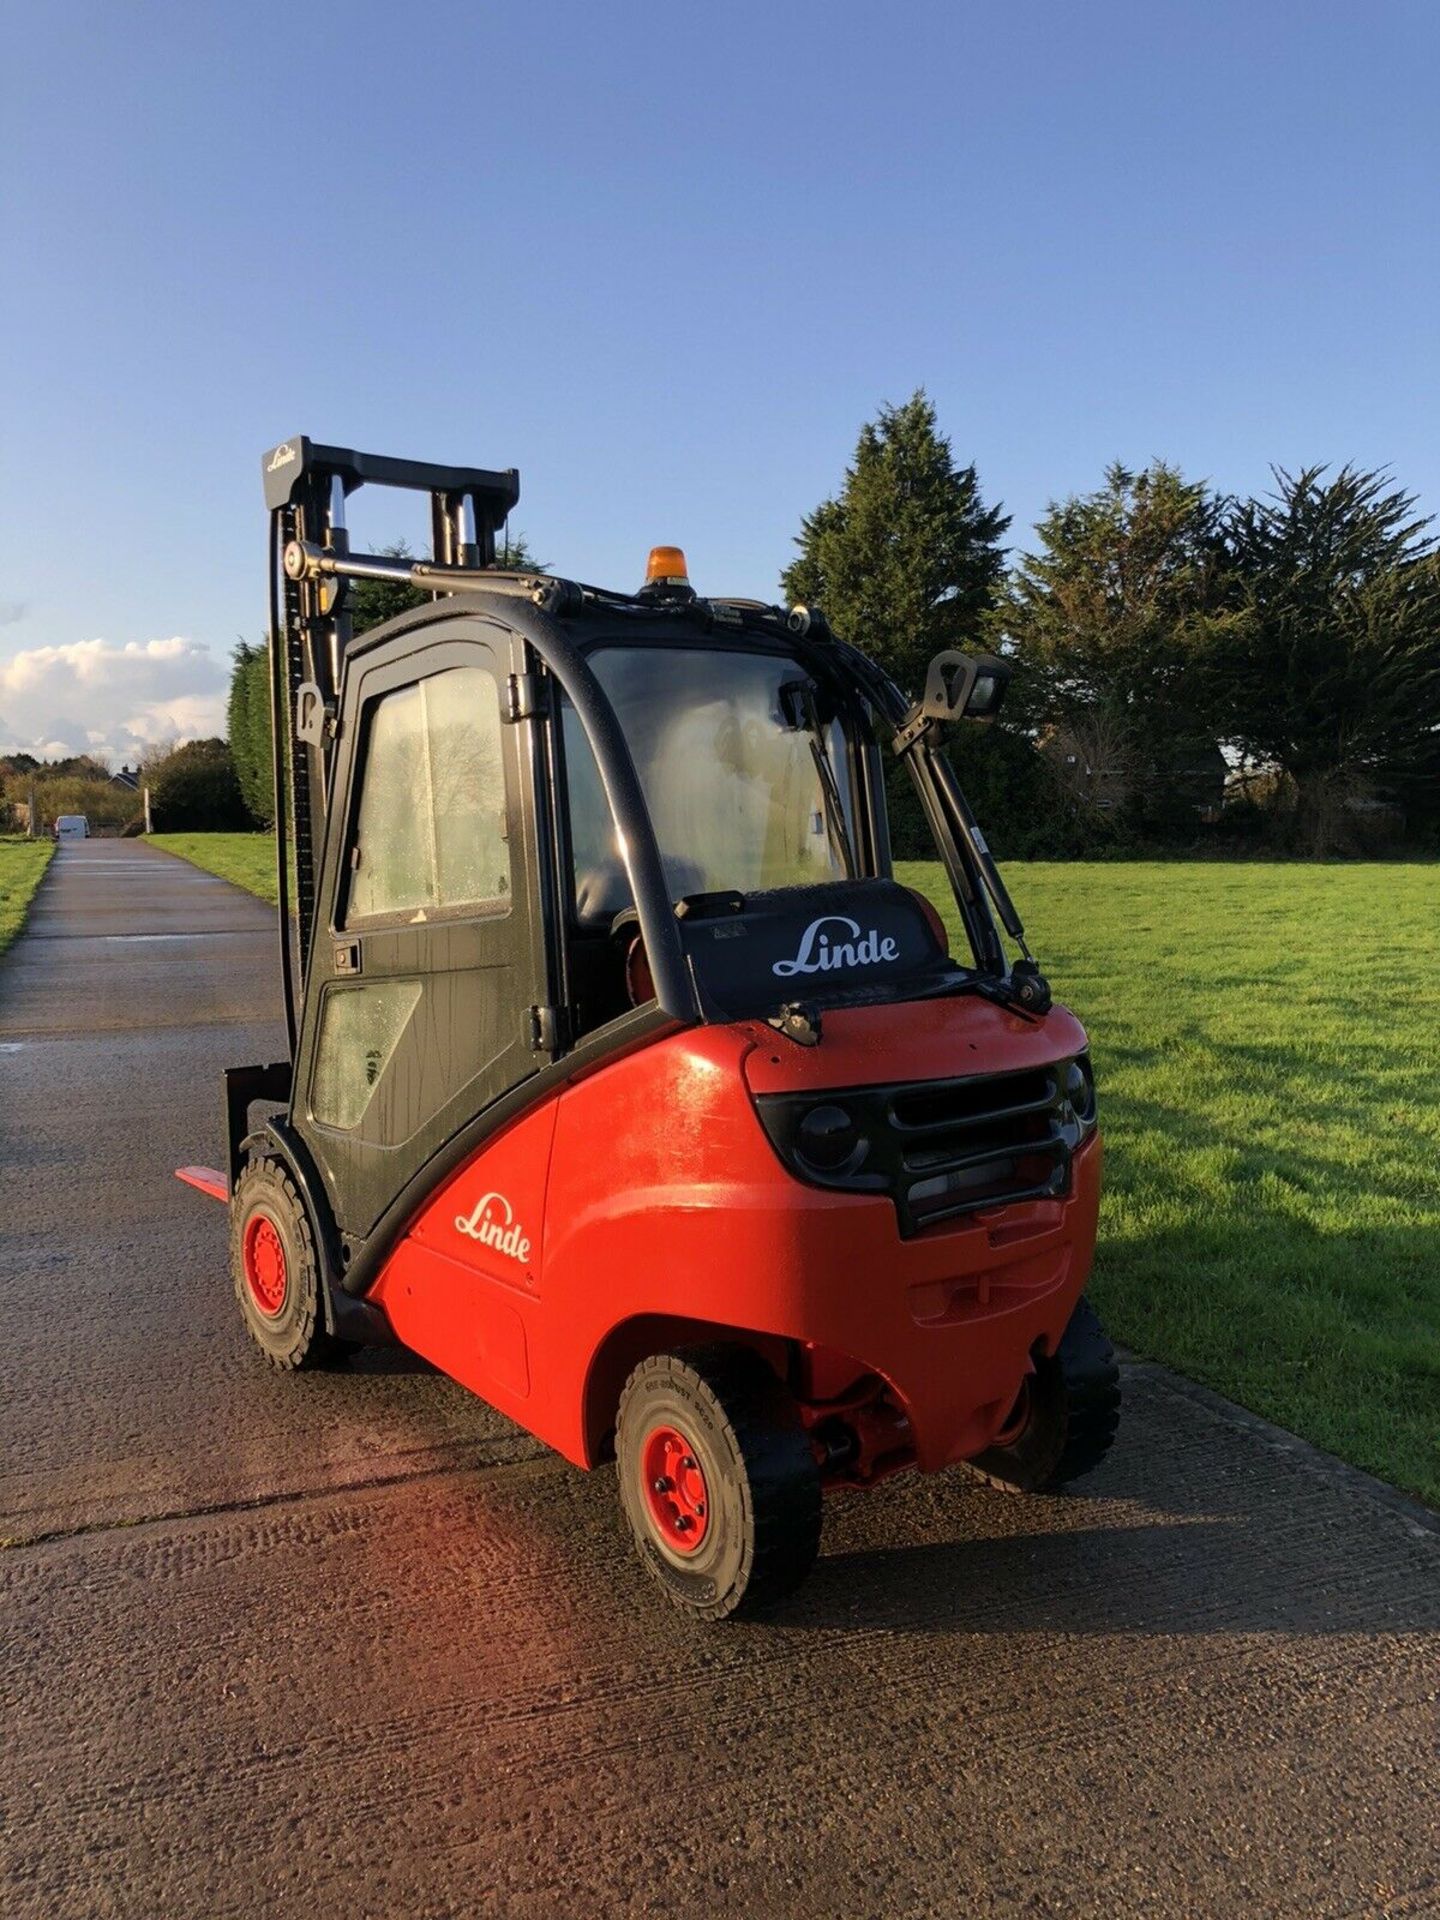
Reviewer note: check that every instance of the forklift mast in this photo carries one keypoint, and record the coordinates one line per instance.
(306, 487)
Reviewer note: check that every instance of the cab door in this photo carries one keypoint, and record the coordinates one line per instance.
(430, 955)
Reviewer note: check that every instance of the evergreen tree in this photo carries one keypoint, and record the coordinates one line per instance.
(1115, 622)
(1334, 677)
(371, 601)
(906, 559)
(249, 728)
(905, 562)
(194, 789)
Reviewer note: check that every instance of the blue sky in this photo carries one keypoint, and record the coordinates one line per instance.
(666, 261)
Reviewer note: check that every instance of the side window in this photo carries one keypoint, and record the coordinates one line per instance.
(429, 837)
(360, 1028)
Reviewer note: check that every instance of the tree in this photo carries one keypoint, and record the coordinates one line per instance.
(1115, 622)
(371, 601)
(194, 789)
(69, 786)
(905, 561)
(1333, 678)
(249, 729)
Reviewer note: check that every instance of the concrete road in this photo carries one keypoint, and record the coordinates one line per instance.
(353, 1645)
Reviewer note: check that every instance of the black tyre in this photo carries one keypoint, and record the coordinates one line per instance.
(276, 1271)
(717, 1479)
(1065, 1418)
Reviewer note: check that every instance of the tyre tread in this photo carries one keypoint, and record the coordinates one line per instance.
(760, 1421)
(1092, 1386)
(311, 1345)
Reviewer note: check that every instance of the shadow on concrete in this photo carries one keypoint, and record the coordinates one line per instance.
(1217, 1576)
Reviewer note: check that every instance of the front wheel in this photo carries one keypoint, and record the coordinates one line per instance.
(1065, 1417)
(276, 1270)
(717, 1479)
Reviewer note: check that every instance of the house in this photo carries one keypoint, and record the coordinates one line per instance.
(128, 777)
(1098, 767)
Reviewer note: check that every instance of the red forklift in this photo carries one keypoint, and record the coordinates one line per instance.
(625, 1082)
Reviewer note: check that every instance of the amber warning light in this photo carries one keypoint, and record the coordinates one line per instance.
(666, 568)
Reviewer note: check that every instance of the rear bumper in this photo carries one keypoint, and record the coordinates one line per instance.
(670, 1218)
(950, 1319)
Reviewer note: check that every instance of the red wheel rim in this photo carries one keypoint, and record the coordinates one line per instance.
(264, 1258)
(676, 1495)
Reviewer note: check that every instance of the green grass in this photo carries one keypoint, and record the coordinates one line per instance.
(248, 859)
(22, 863)
(1267, 1043)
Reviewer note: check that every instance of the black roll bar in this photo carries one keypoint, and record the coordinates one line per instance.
(522, 603)
(675, 988)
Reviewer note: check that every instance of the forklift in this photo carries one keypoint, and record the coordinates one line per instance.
(625, 1083)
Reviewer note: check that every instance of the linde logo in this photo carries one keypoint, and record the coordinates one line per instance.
(493, 1224)
(822, 952)
(282, 457)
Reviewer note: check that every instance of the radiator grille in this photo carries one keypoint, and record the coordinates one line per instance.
(967, 1144)
(941, 1148)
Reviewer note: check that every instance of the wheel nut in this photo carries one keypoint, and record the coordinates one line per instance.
(688, 1463)
(683, 1523)
(662, 1485)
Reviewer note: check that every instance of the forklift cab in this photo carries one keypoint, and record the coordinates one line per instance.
(625, 1083)
(475, 913)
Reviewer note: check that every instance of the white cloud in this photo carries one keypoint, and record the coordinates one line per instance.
(92, 696)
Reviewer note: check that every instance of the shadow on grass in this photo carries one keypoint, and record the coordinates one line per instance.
(1133, 1121)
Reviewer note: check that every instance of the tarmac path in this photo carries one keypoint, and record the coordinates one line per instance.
(352, 1644)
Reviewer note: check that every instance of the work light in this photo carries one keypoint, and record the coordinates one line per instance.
(962, 686)
(984, 699)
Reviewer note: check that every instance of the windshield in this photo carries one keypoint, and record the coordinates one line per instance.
(745, 774)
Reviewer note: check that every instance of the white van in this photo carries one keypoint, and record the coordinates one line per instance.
(71, 826)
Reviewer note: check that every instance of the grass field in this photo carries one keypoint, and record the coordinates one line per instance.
(246, 858)
(1267, 1043)
(22, 863)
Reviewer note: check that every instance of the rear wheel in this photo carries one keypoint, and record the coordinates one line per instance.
(717, 1479)
(1065, 1417)
(276, 1271)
